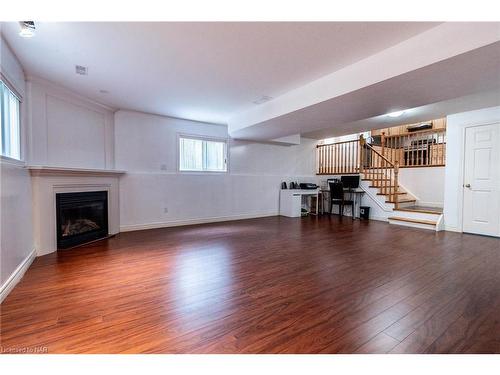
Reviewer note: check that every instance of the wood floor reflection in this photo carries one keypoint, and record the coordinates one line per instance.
(270, 285)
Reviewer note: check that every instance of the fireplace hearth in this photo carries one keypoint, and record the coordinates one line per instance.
(81, 217)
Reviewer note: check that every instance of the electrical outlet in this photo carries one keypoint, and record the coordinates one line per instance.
(165, 210)
(163, 167)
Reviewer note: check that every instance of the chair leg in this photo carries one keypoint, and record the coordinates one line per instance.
(331, 207)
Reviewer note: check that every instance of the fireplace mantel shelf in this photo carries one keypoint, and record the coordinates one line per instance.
(42, 170)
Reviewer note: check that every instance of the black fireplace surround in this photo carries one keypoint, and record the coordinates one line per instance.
(81, 217)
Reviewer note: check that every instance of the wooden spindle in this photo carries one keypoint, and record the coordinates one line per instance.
(384, 182)
(382, 141)
(323, 160)
(378, 170)
(320, 154)
(348, 163)
(396, 185)
(320, 159)
(332, 159)
(344, 157)
(329, 158)
(361, 153)
(441, 147)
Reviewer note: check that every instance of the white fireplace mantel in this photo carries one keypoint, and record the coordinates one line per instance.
(41, 170)
(48, 181)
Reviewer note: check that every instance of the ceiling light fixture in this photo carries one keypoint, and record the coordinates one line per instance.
(395, 114)
(27, 29)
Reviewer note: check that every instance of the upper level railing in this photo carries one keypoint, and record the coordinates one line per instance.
(419, 149)
(338, 158)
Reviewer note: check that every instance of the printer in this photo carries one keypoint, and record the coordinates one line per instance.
(308, 186)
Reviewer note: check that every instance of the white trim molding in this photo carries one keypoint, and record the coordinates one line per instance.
(42, 170)
(224, 140)
(10, 161)
(16, 276)
(47, 186)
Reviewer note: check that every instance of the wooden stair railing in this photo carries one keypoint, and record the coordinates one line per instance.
(383, 173)
(357, 156)
(420, 149)
(338, 158)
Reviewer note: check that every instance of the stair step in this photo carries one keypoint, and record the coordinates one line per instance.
(381, 186)
(419, 210)
(414, 221)
(402, 201)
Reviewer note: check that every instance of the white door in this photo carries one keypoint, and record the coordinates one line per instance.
(481, 210)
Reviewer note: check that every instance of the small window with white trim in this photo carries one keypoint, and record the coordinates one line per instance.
(10, 131)
(199, 154)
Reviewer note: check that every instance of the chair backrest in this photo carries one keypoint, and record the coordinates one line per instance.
(336, 190)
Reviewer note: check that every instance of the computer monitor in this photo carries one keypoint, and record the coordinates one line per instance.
(350, 182)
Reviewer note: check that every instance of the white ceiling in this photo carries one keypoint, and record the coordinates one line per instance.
(469, 74)
(439, 66)
(199, 71)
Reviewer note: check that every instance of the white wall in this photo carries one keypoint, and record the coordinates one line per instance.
(453, 195)
(154, 194)
(426, 184)
(16, 231)
(68, 130)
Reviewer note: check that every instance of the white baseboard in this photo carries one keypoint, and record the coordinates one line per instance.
(452, 229)
(177, 223)
(379, 218)
(16, 276)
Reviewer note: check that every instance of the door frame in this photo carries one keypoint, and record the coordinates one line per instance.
(462, 165)
(455, 157)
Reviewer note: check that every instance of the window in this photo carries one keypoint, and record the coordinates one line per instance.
(10, 139)
(202, 154)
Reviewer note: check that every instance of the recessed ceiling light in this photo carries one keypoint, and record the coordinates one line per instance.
(395, 114)
(27, 29)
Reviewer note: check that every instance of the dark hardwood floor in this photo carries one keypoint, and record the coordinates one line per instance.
(270, 285)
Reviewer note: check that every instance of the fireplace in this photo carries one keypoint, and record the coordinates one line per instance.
(81, 217)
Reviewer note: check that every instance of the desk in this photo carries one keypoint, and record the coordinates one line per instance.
(356, 197)
(291, 201)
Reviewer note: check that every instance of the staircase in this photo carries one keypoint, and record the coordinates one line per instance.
(380, 179)
(382, 175)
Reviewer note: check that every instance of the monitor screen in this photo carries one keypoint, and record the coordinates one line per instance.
(350, 182)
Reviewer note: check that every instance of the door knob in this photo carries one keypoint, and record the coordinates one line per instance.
(467, 186)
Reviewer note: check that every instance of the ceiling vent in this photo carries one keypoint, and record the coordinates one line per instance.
(82, 70)
(262, 99)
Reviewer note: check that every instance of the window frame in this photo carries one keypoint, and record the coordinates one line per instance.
(201, 138)
(5, 81)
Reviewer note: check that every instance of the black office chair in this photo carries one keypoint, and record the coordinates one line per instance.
(337, 197)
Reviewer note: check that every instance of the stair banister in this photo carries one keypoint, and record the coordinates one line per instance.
(382, 140)
(396, 184)
(361, 158)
